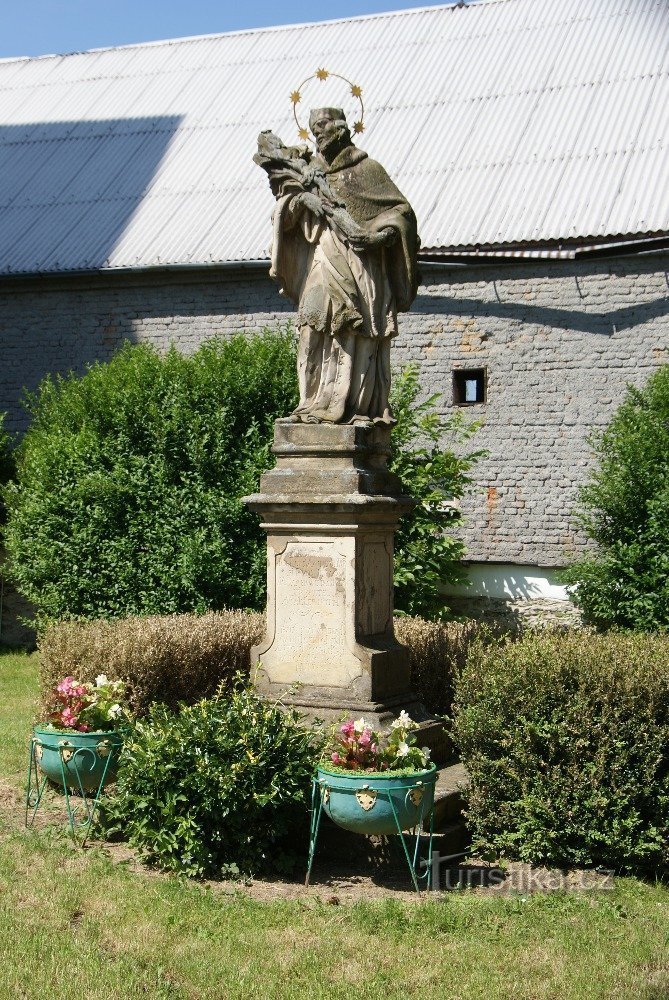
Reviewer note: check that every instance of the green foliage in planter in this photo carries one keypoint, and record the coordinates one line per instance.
(127, 499)
(566, 739)
(625, 510)
(221, 787)
(426, 556)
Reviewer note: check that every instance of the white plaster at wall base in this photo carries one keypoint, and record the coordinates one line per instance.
(507, 581)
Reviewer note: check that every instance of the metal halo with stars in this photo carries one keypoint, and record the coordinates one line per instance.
(322, 75)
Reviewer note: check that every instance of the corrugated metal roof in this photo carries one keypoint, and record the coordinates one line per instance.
(505, 122)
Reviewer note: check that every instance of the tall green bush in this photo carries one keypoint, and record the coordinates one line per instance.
(127, 496)
(566, 740)
(130, 478)
(7, 468)
(625, 511)
(426, 555)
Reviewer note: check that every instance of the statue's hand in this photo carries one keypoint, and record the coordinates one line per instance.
(311, 202)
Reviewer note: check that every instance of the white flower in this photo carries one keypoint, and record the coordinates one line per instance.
(114, 711)
(403, 750)
(359, 725)
(403, 721)
(426, 754)
(101, 680)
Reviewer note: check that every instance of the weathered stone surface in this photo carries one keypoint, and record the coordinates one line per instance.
(331, 460)
(330, 509)
(517, 615)
(345, 252)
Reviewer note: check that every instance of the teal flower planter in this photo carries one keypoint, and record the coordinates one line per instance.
(81, 761)
(377, 803)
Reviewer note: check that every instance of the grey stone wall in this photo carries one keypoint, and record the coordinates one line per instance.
(516, 616)
(58, 325)
(559, 341)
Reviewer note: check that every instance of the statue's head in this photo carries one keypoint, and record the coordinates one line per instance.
(330, 130)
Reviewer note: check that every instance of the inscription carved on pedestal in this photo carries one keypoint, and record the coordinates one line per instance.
(311, 614)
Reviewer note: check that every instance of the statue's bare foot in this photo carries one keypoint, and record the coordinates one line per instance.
(292, 418)
(362, 422)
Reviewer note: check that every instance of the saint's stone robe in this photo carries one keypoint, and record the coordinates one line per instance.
(347, 299)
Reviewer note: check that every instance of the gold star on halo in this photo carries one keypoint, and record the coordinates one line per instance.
(358, 127)
(303, 134)
(356, 90)
(296, 97)
(322, 74)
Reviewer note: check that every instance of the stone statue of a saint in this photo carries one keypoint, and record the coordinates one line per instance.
(344, 251)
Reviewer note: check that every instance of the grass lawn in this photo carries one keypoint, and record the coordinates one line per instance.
(76, 925)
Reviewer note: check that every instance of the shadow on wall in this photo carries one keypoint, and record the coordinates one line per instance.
(602, 323)
(510, 582)
(70, 188)
(68, 191)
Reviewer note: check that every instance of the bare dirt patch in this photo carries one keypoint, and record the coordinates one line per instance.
(347, 868)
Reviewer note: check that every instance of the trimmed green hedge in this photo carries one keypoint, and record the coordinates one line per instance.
(162, 658)
(183, 658)
(566, 739)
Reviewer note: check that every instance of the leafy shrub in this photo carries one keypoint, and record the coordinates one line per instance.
(566, 739)
(167, 659)
(127, 500)
(130, 478)
(438, 652)
(221, 787)
(6, 462)
(625, 511)
(426, 556)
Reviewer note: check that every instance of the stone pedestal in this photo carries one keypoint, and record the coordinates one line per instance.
(330, 508)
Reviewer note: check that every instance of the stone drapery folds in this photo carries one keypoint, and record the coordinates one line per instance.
(344, 251)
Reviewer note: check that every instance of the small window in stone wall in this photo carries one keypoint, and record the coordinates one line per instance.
(469, 386)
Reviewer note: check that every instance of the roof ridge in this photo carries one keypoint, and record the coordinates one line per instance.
(451, 5)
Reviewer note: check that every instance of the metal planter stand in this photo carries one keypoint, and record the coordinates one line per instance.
(322, 790)
(75, 765)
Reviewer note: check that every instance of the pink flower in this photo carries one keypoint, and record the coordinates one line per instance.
(336, 759)
(347, 729)
(68, 717)
(83, 727)
(65, 685)
(365, 738)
